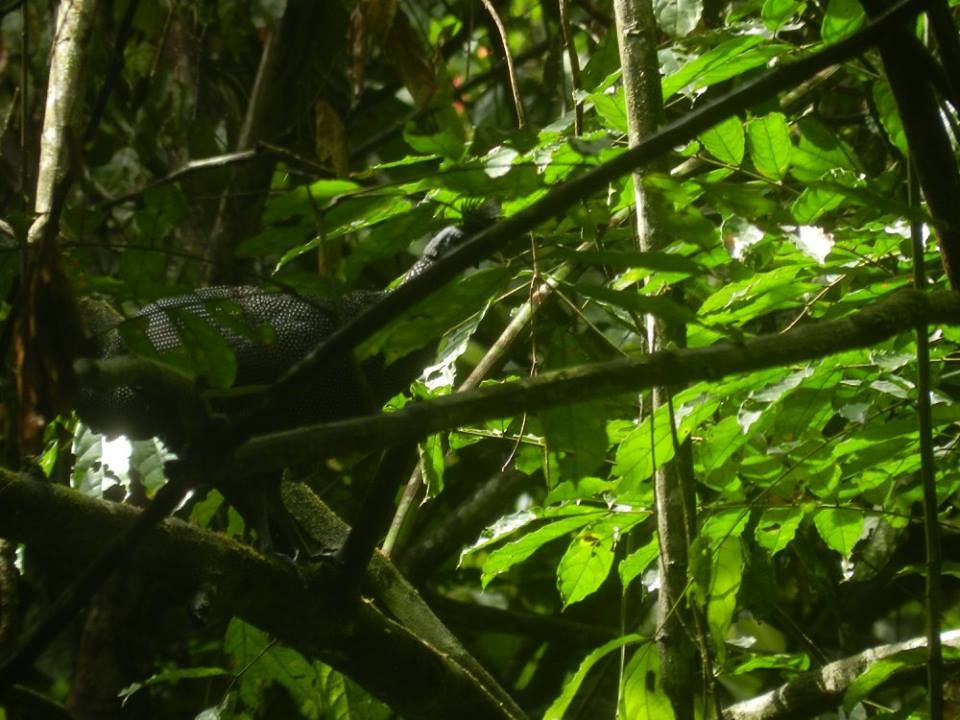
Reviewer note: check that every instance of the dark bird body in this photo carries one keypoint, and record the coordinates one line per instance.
(294, 325)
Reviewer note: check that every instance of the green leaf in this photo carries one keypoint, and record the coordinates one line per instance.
(448, 144)
(776, 661)
(621, 260)
(638, 561)
(777, 527)
(643, 694)
(723, 525)
(578, 432)
(660, 307)
(776, 13)
(317, 691)
(770, 146)
(89, 473)
(814, 203)
(558, 709)
(818, 152)
(725, 576)
(584, 566)
(274, 241)
(211, 356)
(434, 316)
(147, 459)
(842, 18)
(638, 453)
(504, 558)
(727, 60)
(840, 528)
(890, 115)
(726, 141)
(609, 104)
(879, 672)
(172, 677)
(432, 464)
(677, 18)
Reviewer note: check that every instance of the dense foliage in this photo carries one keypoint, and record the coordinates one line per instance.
(387, 121)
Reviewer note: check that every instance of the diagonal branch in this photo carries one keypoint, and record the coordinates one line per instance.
(820, 690)
(899, 313)
(393, 645)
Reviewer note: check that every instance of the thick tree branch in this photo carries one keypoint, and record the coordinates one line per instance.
(407, 658)
(897, 314)
(821, 690)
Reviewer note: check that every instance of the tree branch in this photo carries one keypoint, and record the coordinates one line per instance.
(407, 658)
(820, 690)
(899, 313)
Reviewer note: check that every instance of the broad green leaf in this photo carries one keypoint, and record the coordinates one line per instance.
(442, 375)
(746, 292)
(660, 307)
(643, 694)
(203, 511)
(775, 661)
(558, 709)
(275, 241)
(814, 203)
(777, 527)
(499, 161)
(638, 561)
(431, 455)
(89, 473)
(147, 459)
(879, 672)
(584, 566)
(448, 144)
(725, 141)
(776, 13)
(350, 216)
(639, 453)
(727, 60)
(842, 18)
(502, 528)
(725, 578)
(889, 115)
(620, 260)
(504, 558)
(723, 525)
(770, 147)
(818, 152)
(720, 442)
(210, 355)
(578, 433)
(330, 188)
(840, 528)
(434, 316)
(609, 105)
(264, 663)
(172, 677)
(761, 400)
(677, 18)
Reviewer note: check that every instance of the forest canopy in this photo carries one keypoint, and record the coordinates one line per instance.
(560, 359)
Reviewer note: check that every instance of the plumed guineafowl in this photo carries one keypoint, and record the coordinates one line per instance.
(268, 332)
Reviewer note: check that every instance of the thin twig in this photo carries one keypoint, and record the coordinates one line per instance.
(931, 530)
(511, 70)
(574, 60)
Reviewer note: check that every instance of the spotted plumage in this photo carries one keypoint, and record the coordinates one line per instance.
(294, 325)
